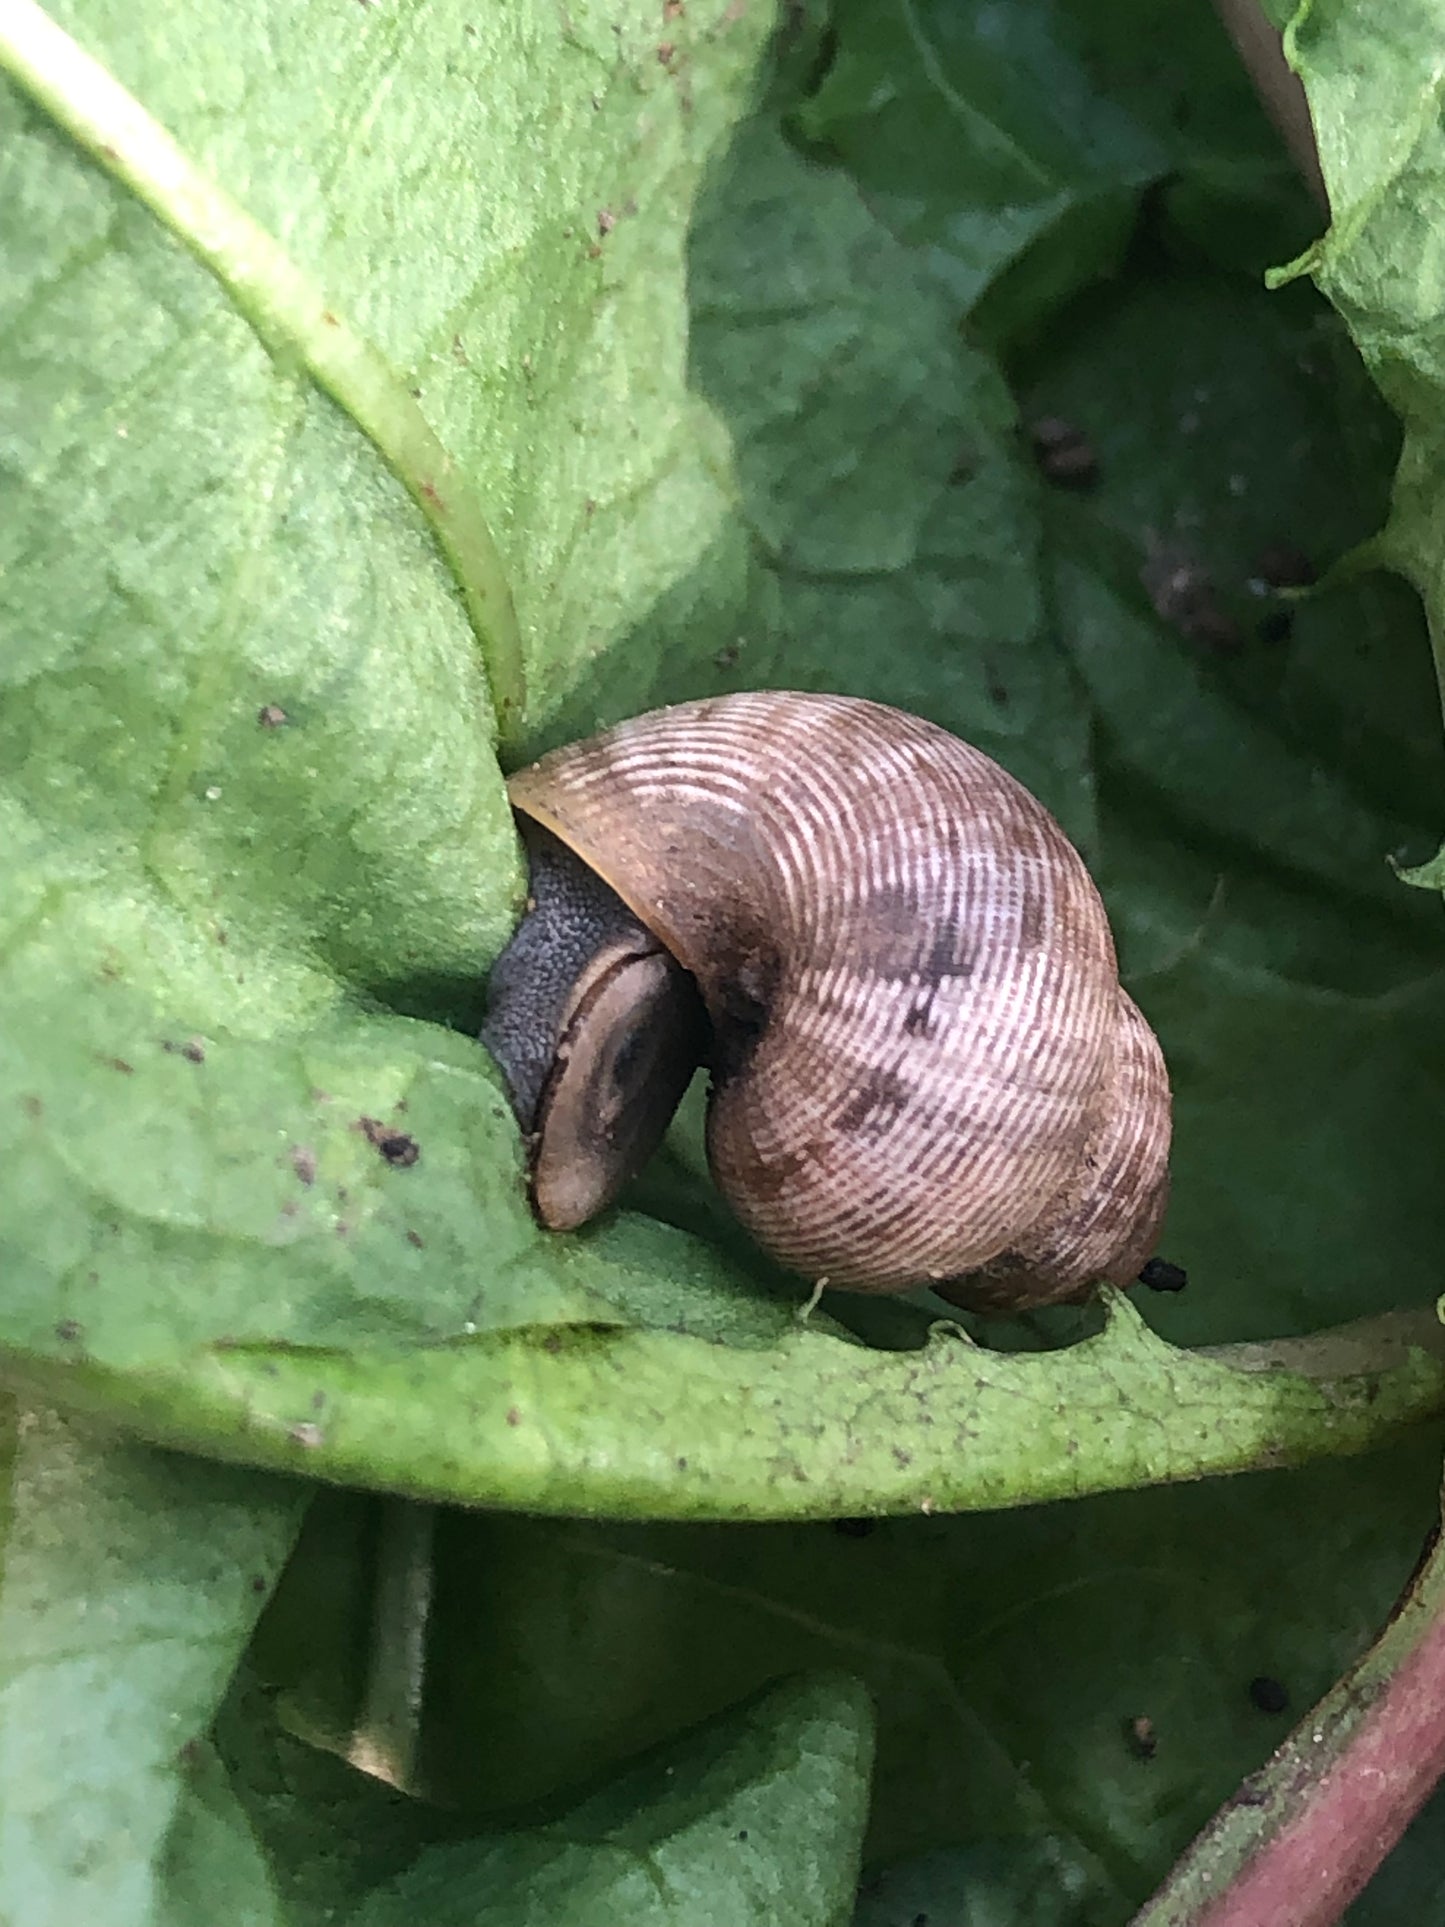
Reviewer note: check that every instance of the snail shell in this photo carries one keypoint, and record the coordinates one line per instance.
(924, 1068)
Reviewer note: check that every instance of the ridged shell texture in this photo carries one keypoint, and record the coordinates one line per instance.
(925, 1067)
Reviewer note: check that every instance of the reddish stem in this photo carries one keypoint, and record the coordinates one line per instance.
(1300, 1839)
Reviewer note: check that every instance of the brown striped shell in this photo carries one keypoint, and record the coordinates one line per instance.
(924, 1067)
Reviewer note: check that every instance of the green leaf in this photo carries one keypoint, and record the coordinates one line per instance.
(212, 1850)
(1014, 161)
(757, 1816)
(758, 1819)
(1007, 1654)
(666, 1424)
(246, 739)
(1372, 98)
(130, 1583)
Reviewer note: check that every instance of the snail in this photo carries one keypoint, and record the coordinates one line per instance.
(924, 1069)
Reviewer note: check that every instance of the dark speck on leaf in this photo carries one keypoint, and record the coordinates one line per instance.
(514, 1417)
(1183, 594)
(258, 1582)
(1065, 455)
(1267, 1695)
(1140, 1734)
(32, 1107)
(270, 715)
(119, 1064)
(68, 1329)
(1159, 1275)
(397, 1147)
(552, 1342)
(303, 1163)
(742, 1833)
(414, 1238)
(1277, 626)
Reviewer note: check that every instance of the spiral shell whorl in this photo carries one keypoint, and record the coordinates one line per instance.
(919, 1026)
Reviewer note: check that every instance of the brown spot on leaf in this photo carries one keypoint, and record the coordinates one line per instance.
(1064, 453)
(303, 1163)
(1142, 1740)
(606, 221)
(414, 1238)
(270, 715)
(68, 1330)
(514, 1417)
(1183, 593)
(32, 1107)
(307, 1435)
(119, 1064)
(397, 1147)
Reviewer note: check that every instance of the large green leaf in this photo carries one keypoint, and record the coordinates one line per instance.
(1007, 1655)
(755, 1823)
(129, 1585)
(756, 1817)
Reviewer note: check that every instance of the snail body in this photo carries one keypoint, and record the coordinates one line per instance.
(897, 968)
